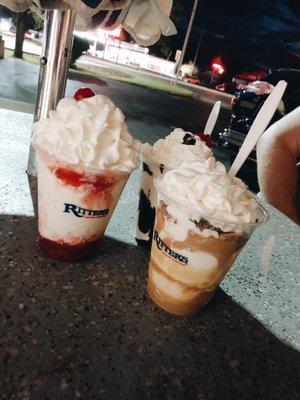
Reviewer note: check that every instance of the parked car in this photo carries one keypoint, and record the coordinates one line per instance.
(192, 79)
(32, 34)
(245, 106)
(227, 87)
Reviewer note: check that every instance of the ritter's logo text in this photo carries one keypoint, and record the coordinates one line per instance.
(162, 246)
(83, 212)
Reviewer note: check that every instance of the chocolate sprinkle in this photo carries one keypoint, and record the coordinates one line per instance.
(203, 224)
(147, 169)
(189, 139)
(146, 219)
(161, 168)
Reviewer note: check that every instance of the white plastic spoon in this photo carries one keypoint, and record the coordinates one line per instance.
(259, 125)
(212, 119)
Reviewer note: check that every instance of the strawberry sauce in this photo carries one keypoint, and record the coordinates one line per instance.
(96, 192)
(69, 177)
(96, 185)
(66, 252)
(205, 138)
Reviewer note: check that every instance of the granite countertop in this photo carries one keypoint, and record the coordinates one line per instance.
(89, 330)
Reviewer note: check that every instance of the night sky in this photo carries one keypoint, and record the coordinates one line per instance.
(247, 34)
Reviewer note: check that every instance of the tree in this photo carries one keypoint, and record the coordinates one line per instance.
(80, 45)
(188, 69)
(37, 23)
(22, 21)
(20, 33)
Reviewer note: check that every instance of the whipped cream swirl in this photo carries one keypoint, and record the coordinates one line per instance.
(172, 151)
(210, 191)
(90, 132)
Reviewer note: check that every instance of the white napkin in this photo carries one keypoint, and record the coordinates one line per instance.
(147, 20)
(17, 5)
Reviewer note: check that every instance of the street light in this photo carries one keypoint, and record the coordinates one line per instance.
(186, 39)
(217, 67)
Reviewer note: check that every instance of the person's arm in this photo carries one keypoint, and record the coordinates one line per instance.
(277, 154)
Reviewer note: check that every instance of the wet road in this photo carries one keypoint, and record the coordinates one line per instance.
(150, 114)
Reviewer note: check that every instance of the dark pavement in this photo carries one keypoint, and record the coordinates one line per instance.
(150, 114)
(89, 331)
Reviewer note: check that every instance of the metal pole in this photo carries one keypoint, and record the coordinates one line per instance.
(186, 39)
(198, 47)
(54, 65)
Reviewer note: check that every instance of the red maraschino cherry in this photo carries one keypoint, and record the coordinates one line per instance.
(205, 138)
(83, 93)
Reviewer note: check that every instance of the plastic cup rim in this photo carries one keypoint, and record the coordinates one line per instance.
(148, 161)
(262, 219)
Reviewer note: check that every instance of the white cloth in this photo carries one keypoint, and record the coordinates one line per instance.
(17, 5)
(145, 20)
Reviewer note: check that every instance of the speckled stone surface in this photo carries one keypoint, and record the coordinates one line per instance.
(89, 331)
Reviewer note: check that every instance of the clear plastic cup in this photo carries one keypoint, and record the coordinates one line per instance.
(191, 254)
(147, 201)
(75, 204)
